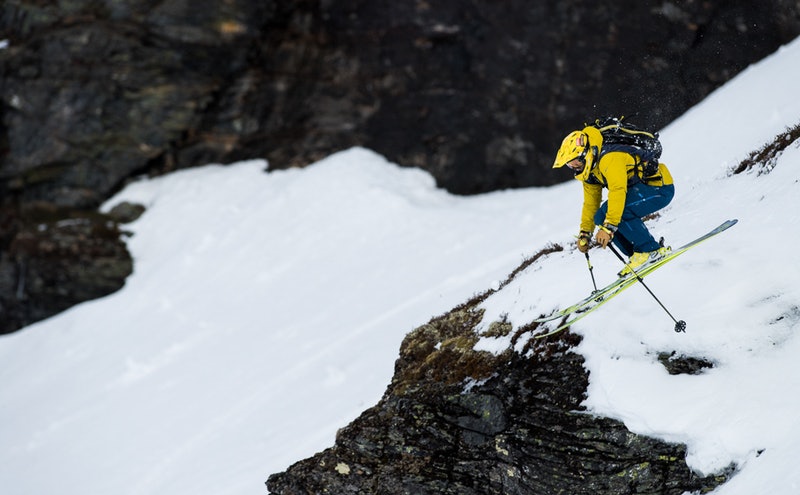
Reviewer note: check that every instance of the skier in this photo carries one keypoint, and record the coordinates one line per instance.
(631, 196)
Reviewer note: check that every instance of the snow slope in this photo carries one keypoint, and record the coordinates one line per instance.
(265, 311)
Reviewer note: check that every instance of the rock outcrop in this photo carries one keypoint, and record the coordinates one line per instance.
(459, 421)
(53, 258)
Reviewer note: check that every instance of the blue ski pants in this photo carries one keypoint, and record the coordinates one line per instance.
(641, 200)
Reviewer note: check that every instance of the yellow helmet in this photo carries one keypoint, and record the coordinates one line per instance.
(580, 144)
(573, 146)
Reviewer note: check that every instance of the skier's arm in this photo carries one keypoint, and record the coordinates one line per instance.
(614, 168)
(592, 195)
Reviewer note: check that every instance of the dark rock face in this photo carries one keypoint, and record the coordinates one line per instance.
(53, 258)
(457, 421)
(481, 94)
(94, 92)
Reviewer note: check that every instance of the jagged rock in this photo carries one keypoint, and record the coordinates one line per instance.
(678, 364)
(459, 421)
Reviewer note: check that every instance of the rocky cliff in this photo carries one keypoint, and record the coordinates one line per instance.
(459, 421)
(94, 93)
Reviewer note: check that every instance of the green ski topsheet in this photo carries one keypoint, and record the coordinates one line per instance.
(584, 307)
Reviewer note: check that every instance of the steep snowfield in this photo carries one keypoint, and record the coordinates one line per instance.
(740, 299)
(266, 310)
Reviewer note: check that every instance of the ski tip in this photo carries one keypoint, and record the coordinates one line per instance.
(728, 224)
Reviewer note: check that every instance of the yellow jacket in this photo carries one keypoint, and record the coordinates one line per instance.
(614, 170)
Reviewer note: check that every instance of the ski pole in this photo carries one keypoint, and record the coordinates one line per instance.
(680, 325)
(591, 271)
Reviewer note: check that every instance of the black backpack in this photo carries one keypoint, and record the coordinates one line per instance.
(619, 136)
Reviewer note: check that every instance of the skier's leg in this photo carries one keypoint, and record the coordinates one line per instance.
(619, 239)
(624, 245)
(642, 200)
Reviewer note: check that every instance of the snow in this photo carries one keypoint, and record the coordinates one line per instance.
(266, 310)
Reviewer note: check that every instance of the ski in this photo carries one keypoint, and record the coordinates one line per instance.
(585, 302)
(587, 309)
(581, 309)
